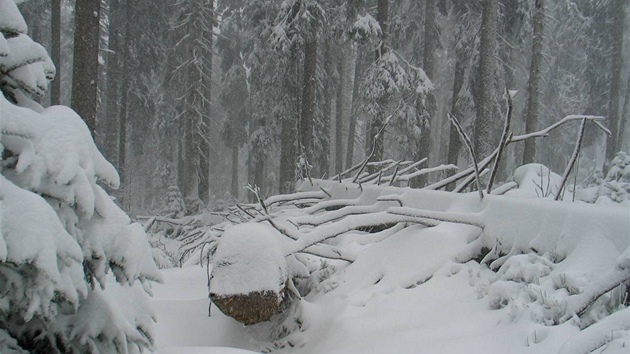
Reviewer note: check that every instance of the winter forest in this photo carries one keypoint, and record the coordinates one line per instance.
(314, 176)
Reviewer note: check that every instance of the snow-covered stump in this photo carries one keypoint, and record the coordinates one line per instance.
(249, 273)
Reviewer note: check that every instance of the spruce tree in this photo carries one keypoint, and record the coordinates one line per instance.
(73, 268)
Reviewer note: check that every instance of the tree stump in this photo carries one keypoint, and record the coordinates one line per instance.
(249, 273)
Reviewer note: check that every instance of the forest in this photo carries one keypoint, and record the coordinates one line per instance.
(208, 96)
(314, 176)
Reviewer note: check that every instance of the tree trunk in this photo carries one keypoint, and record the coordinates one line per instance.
(625, 116)
(355, 108)
(55, 51)
(534, 76)
(423, 144)
(288, 132)
(197, 100)
(193, 115)
(323, 132)
(430, 39)
(85, 67)
(484, 127)
(308, 98)
(382, 17)
(115, 77)
(615, 84)
(125, 61)
(339, 117)
(287, 155)
(235, 185)
(204, 145)
(454, 143)
(375, 138)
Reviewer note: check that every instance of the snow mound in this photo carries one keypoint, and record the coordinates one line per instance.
(248, 259)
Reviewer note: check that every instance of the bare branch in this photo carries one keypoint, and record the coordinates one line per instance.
(471, 150)
(574, 157)
(503, 141)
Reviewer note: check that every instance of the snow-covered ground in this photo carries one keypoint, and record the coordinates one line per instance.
(418, 291)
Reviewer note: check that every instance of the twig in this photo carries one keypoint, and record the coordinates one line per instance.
(367, 158)
(427, 170)
(471, 150)
(503, 142)
(393, 179)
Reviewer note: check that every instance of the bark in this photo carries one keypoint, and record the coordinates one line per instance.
(55, 51)
(484, 127)
(534, 77)
(355, 108)
(85, 67)
(339, 117)
(615, 85)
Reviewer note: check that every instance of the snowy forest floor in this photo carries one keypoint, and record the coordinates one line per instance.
(406, 294)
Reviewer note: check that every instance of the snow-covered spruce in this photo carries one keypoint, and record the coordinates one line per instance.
(249, 273)
(74, 270)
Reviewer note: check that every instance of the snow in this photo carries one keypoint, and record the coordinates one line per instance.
(240, 264)
(181, 305)
(601, 334)
(32, 234)
(415, 289)
(10, 18)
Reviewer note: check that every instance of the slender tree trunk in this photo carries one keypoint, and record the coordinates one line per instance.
(339, 117)
(615, 85)
(355, 108)
(85, 71)
(484, 127)
(534, 76)
(55, 51)
(308, 98)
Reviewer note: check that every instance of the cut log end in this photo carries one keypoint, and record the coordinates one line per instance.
(248, 309)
